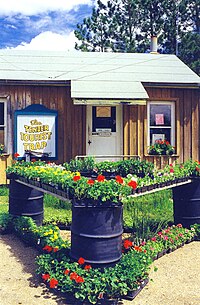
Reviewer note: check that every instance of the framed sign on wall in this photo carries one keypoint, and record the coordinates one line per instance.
(35, 130)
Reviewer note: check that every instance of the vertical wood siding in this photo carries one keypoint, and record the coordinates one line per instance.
(187, 125)
(71, 119)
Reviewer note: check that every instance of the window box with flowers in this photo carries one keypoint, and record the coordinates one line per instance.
(161, 147)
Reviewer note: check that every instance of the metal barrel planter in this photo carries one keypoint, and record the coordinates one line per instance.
(187, 203)
(96, 234)
(26, 201)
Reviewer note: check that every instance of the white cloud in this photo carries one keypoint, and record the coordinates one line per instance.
(50, 41)
(32, 7)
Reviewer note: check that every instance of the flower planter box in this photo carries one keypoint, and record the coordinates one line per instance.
(132, 294)
(23, 179)
(108, 302)
(160, 254)
(170, 250)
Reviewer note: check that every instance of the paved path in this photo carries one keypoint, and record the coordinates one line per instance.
(177, 281)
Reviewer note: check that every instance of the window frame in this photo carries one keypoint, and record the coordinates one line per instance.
(172, 103)
(5, 126)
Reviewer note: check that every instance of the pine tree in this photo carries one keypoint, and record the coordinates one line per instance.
(127, 25)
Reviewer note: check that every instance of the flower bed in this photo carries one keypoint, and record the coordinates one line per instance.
(93, 285)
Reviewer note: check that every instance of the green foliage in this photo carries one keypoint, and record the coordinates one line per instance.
(127, 25)
(146, 215)
(161, 148)
(4, 191)
(196, 227)
(85, 165)
(41, 236)
(5, 223)
(101, 189)
(56, 211)
(91, 284)
(189, 51)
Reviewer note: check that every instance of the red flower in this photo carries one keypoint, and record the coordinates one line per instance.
(45, 276)
(48, 248)
(55, 249)
(137, 248)
(16, 155)
(73, 276)
(171, 170)
(67, 271)
(87, 267)
(90, 181)
(100, 178)
(79, 279)
(100, 296)
(53, 283)
(179, 225)
(33, 160)
(133, 184)
(81, 261)
(119, 179)
(127, 244)
(153, 239)
(76, 178)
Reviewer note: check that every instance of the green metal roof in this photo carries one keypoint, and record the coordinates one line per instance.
(96, 75)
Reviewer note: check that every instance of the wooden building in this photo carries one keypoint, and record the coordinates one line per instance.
(108, 103)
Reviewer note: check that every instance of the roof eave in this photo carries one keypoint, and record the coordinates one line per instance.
(172, 85)
(49, 82)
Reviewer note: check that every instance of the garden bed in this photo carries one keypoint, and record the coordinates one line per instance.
(58, 271)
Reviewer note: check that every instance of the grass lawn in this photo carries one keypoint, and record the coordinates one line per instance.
(143, 216)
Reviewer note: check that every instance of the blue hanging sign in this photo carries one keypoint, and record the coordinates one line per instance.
(36, 131)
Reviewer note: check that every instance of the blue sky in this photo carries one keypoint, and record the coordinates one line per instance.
(41, 24)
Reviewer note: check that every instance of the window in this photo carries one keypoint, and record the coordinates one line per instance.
(103, 118)
(3, 123)
(161, 122)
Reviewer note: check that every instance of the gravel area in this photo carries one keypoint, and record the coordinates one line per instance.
(177, 281)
